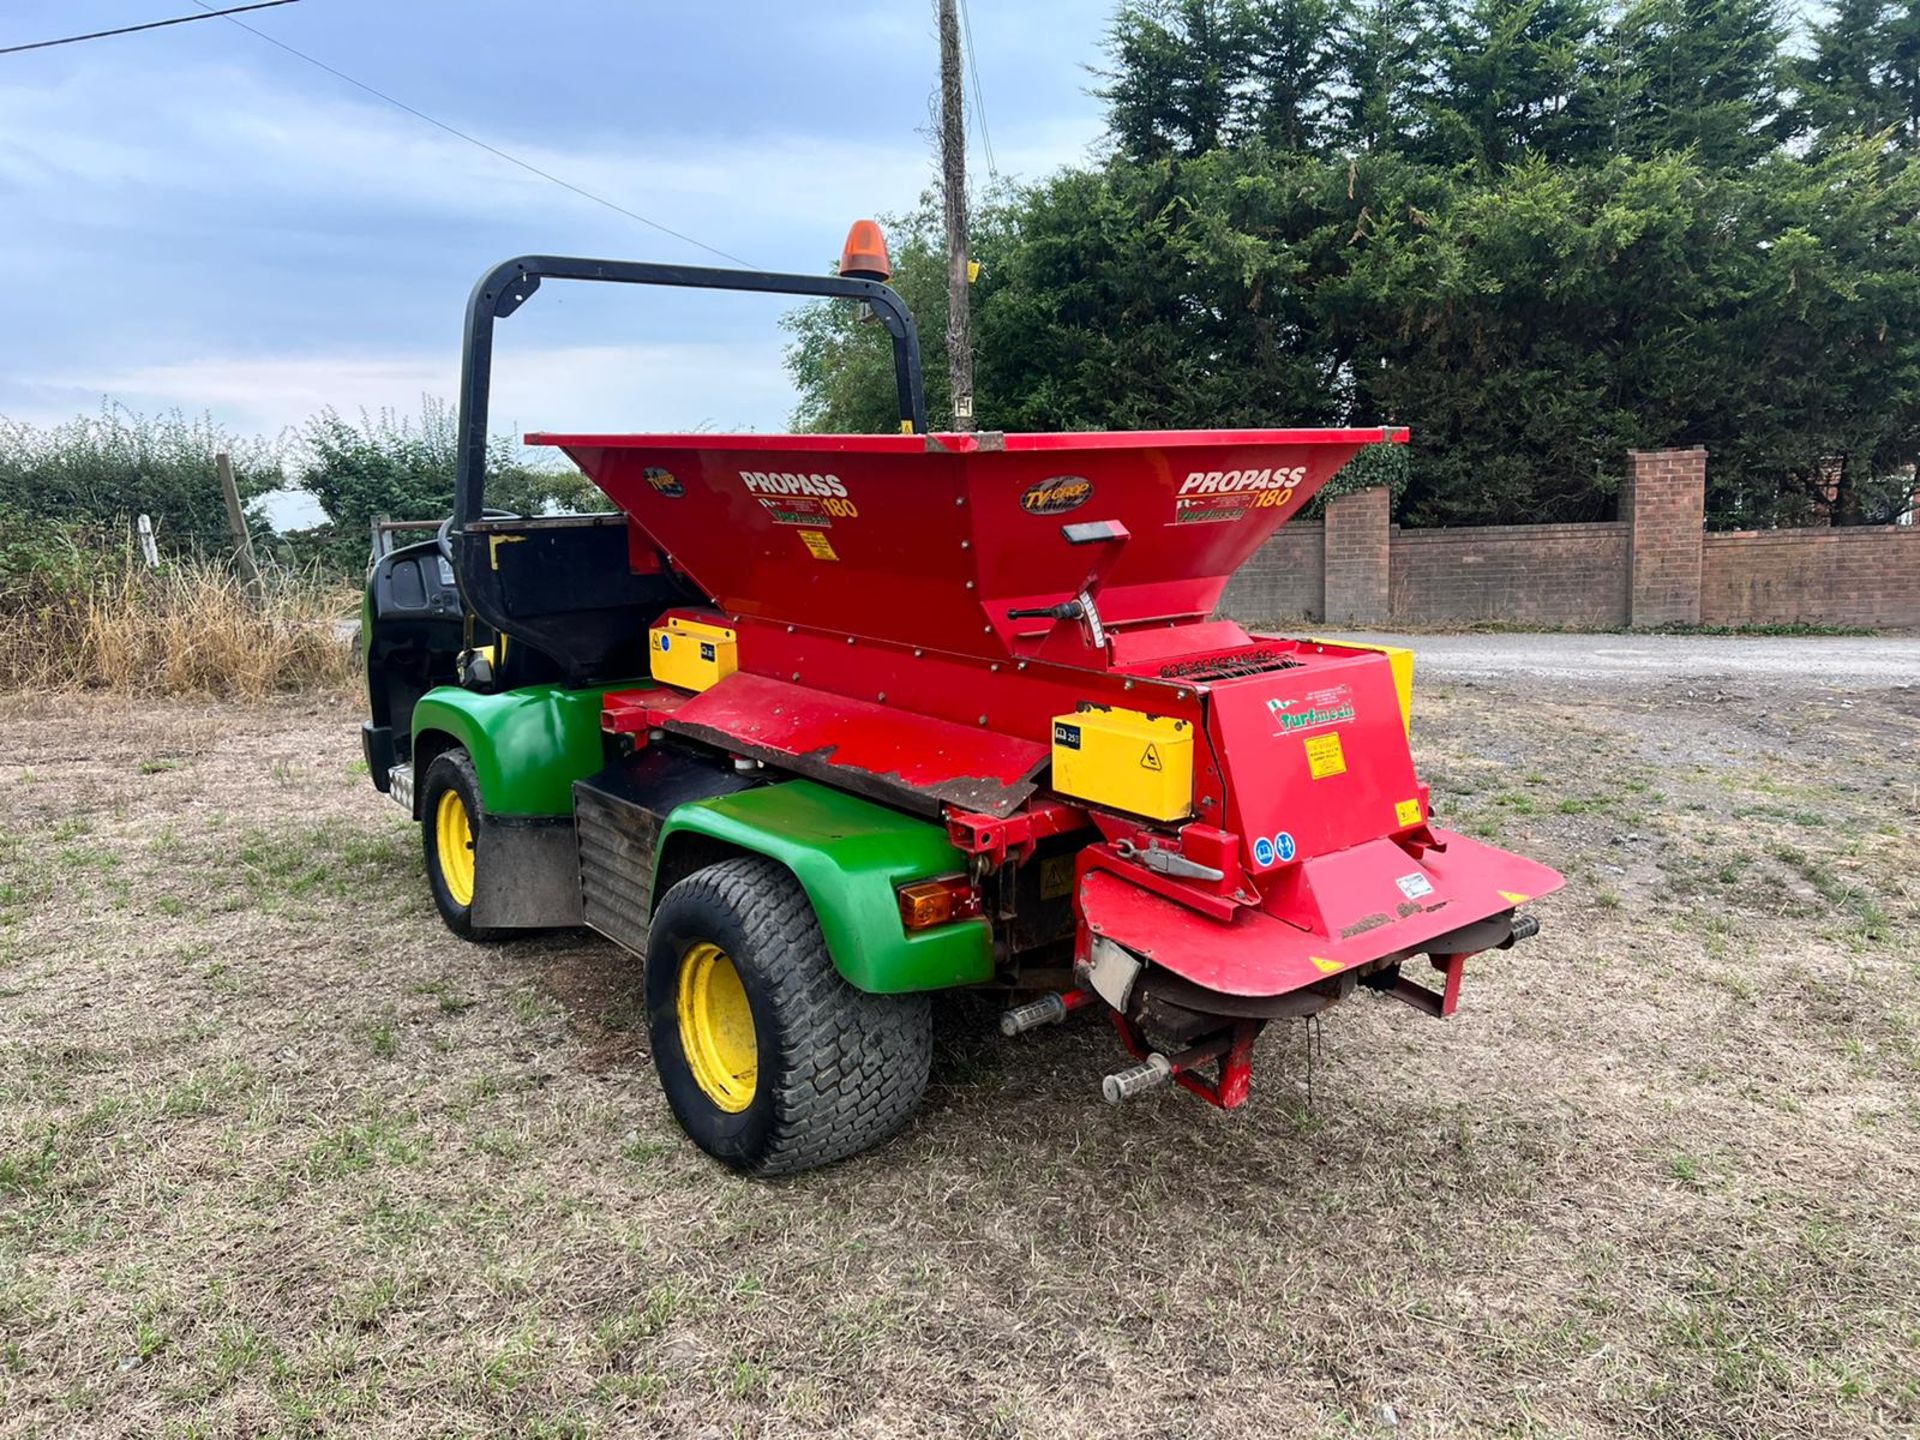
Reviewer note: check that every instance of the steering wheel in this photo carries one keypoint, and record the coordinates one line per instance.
(443, 537)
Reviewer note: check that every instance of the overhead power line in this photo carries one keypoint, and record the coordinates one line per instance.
(493, 150)
(150, 25)
(979, 97)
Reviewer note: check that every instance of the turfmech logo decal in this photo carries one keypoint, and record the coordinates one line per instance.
(1232, 482)
(1331, 706)
(1309, 718)
(783, 482)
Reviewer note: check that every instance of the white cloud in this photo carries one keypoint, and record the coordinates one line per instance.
(171, 223)
(671, 386)
(223, 132)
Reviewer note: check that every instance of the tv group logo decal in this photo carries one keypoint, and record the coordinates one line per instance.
(1057, 496)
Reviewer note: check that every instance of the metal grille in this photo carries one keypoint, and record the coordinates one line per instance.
(1229, 667)
(617, 844)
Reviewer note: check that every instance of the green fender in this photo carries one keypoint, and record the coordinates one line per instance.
(848, 855)
(528, 745)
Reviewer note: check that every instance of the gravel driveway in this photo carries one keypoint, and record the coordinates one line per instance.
(1837, 662)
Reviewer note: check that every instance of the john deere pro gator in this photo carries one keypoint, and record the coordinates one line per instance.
(817, 725)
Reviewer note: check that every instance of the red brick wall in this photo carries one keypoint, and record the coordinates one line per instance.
(1285, 580)
(1865, 575)
(1664, 503)
(1549, 575)
(1654, 566)
(1357, 557)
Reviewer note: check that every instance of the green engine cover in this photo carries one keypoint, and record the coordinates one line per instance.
(528, 745)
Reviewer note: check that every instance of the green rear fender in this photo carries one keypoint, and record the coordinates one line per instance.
(849, 854)
(528, 745)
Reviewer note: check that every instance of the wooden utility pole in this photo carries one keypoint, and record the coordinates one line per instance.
(237, 518)
(953, 186)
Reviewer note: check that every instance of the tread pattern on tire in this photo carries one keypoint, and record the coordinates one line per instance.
(855, 1065)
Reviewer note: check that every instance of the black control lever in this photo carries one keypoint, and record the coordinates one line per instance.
(1065, 610)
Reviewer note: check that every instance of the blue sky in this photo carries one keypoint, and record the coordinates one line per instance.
(194, 218)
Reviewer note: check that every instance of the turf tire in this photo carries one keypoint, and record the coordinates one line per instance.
(839, 1070)
(452, 770)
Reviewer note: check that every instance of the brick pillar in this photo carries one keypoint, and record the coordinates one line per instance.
(1356, 541)
(1664, 504)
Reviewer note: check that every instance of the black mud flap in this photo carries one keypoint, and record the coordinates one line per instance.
(532, 865)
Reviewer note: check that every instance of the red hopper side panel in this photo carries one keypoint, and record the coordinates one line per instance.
(929, 540)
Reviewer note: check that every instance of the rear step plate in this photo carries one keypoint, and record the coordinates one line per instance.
(1258, 953)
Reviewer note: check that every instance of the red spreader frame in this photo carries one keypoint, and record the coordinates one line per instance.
(913, 613)
(937, 622)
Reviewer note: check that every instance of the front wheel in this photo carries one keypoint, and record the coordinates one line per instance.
(450, 810)
(771, 1061)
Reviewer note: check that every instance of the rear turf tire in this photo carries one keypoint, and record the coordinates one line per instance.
(450, 811)
(820, 1071)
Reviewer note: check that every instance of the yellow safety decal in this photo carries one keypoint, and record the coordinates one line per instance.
(1326, 966)
(1514, 897)
(1150, 760)
(818, 544)
(494, 542)
(1407, 812)
(1325, 757)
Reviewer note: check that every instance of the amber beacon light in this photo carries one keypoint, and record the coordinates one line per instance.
(865, 256)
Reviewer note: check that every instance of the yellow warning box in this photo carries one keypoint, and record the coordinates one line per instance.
(1401, 659)
(691, 654)
(1142, 764)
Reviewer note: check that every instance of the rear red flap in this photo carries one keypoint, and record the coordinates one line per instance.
(1331, 912)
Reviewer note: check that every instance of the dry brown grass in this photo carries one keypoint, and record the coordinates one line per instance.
(278, 1156)
(190, 628)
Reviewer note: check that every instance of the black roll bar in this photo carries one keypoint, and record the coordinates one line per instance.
(506, 287)
(583, 648)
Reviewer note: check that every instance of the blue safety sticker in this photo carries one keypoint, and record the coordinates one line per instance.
(1283, 845)
(1263, 851)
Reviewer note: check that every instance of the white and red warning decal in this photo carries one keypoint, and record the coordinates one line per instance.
(1212, 509)
(796, 510)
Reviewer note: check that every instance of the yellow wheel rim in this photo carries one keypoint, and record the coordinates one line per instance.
(716, 1028)
(453, 843)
